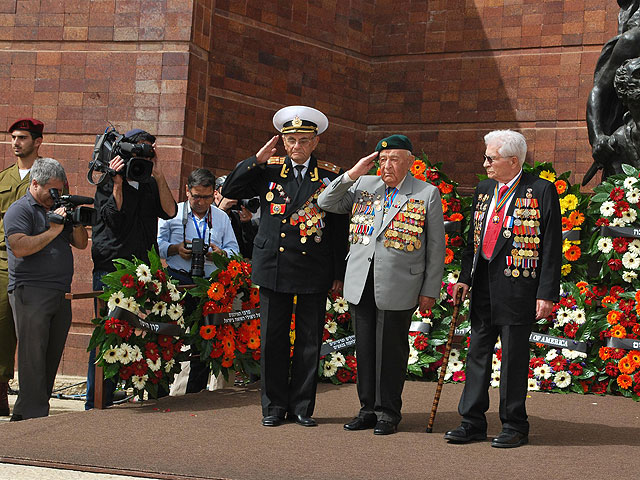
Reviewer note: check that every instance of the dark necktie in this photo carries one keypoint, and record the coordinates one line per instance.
(494, 226)
(299, 177)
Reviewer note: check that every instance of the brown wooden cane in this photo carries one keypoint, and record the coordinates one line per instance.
(445, 359)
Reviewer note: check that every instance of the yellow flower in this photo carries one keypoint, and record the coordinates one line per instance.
(292, 336)
(566, 245)
(569, 202)
(565, 269)
(547, 175)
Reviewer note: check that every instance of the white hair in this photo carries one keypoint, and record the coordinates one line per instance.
(512, 144)
(44, 169)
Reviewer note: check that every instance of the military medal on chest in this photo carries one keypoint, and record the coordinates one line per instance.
(406, 228)
(524, 229)
(363, 217)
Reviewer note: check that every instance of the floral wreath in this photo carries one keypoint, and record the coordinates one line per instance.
(129, 350)
(338, 366)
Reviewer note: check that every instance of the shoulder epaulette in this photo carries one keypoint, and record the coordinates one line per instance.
(275, 161)
(328, 166)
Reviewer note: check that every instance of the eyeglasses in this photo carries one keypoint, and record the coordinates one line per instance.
(201, 197)
(303, 142)
(490, 160)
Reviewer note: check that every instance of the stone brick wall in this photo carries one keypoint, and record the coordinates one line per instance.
(207, 75)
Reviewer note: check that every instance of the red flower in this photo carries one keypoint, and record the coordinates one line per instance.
(165, 340)
(576, 369)
(602, 221)
(217, 350)
(599, 387)
(351, 362)
(127, 280)
(167, 354)
(160, 275)
(151, 351)
(558, 364)
(139, 368)
(570, 330)
(615, 264)
(546, 384)
(620, 244)
(256, 355)
(536, 362)
(456, 241)
(616, 290)
(421, 343)
(459, 376)
(620, 208)
(343, 375)
(616, 194)
(611, 369)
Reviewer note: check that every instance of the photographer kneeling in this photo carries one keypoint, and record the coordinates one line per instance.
(40, 273)
(188, 241)
(131, 194)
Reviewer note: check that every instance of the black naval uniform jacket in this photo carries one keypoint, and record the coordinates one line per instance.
(284, 260)
(513, 299)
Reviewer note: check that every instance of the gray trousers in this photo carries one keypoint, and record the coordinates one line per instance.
(42, 317)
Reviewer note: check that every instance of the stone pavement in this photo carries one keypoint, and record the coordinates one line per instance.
(23, 472)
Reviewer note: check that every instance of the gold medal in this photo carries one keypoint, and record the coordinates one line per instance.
(269, 196)
(303, 240)
(410, 248)
(515, 273)
(525, 273)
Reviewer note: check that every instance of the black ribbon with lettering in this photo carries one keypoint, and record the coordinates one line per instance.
(422, 327)
(231, 317)
(571, 235)
(558, 342)
(623, 343)
(450, 226)
(337, 345)
(616, 232)
(169, 329)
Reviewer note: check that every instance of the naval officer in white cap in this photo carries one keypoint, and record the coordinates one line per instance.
(299, 250)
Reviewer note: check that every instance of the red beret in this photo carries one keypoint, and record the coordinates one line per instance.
(29, 124)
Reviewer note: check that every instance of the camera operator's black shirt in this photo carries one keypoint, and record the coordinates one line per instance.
(130, 231)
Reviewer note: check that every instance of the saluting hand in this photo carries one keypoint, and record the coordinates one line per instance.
(267, 150)
(363, 166)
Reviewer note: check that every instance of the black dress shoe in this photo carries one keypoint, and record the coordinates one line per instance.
(272, 420)
(510, 439)
(303, 420)
(465, 433)
(385, 428)
(16, 418)
(361, 423)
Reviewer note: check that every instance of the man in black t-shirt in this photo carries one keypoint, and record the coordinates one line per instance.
(127, 226)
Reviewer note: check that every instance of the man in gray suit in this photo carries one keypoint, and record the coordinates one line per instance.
(395, 263)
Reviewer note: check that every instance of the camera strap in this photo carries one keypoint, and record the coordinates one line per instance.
(185, 217)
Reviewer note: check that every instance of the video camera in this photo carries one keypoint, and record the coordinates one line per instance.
(75, 215)
(198, 249)
(136, 157)
(251, 204)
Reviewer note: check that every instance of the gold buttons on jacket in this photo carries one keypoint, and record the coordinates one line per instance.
(283, 234)
(281, 249)
(284, 221)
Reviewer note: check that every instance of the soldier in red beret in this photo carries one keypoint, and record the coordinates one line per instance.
(26, 138)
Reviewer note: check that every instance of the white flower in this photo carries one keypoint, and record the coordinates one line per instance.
(498, 344)
(329, 304)
(563, 315)
(131, 305)
(579, 316)
(157, 286)
(572, 354)
(337, 359)
(443, 294)
(551, 354)
(169, 365)
(628, 276)
(562, 379)
(618, 222)
(173, 292)
(543, 371)
(495, 379)
(448, 374)
(111, 354)
(633, 195)
(115, 300)
(533, 385)
(634, 246)
(154, 366)
(124, 354)
(160, 309)
(629, 182)
(175, 311)
(139, 382)
(180, 322)
(135, 353)
(331, 326)
(455, 366)
(607, 208)
(454, 354)
(329, 369)
(453, 276)
(629, 216)
(340, 305)
(143, 273)
(630, 261)
(605, 245)
(413, 355)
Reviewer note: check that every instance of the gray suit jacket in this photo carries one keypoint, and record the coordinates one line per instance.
(414, 220)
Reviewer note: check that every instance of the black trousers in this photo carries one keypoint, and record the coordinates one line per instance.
(514, 370)
(382, 349)
(289, 383)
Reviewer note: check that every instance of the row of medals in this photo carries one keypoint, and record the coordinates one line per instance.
(406, 227)
(310, 219)
(525, 225)
(363, 215)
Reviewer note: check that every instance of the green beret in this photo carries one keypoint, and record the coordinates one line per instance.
(400, 142)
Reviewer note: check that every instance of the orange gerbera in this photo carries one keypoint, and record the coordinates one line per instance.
(573, 253)
(208, 331)
(625, 365)
(448, 257)
(216, 291)
(583, 287)
(577, 218)
(634, 358)
(609, 299)
(254, 342)
(229, 345)
(613, 317)
(561, 186)
(456, 217)
(227, 361)
(625, 381)
(378, 171)
(618, 331)
(445, 206)
(445, 188)
(604, 353)
(418, 167)
(421, 176)
(637, 296)
(566, 224)
(254, 296)
(234, 268)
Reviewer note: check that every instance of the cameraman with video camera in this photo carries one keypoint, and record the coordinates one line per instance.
(242, 216)
(131, 194)
(40, 271)
(188, 242)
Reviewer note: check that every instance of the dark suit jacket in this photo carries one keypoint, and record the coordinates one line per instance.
(280, 260)
(513, 300)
